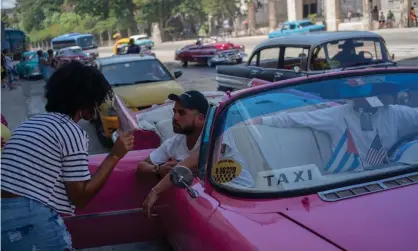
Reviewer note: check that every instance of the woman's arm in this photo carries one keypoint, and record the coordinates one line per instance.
(81, 192)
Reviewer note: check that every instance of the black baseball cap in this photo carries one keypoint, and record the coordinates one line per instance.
(192, 100)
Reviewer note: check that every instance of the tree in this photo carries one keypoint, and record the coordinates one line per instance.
(5, 18)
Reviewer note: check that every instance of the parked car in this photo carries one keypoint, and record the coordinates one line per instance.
(294, 27)
(67, 54)
(121, 48)
(211, 51)
(143, 40)
(295, 196)
(28, 66)
(141, 81)
(306, 54)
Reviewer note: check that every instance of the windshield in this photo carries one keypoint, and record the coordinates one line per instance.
(87, 42)
(63, 44)
(142, 71)
(349, 53)
(318, 134)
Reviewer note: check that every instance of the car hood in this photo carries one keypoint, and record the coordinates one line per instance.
(386, 220)
(140, 95)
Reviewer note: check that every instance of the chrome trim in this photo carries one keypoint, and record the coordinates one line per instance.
(405, 180)
(110, 213)
(232, 81)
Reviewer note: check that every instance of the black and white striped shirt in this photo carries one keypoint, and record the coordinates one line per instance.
(43, 153)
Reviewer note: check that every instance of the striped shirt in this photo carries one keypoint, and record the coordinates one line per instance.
(43, 153)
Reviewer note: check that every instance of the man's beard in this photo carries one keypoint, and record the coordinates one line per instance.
(186, 130)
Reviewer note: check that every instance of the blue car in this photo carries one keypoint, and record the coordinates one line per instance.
(294, 27)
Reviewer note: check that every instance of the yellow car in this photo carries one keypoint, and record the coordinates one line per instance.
(141, 81)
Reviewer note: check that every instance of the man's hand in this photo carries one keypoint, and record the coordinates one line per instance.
(149, 203)
(167, 167)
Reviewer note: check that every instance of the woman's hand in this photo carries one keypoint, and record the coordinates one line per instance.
(123, 144)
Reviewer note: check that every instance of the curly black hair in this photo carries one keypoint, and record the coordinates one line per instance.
(76, 86)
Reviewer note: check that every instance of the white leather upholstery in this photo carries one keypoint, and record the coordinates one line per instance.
(265, 148)
(165, 129)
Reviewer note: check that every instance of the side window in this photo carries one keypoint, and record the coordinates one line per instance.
(292, 26)
(269, 58)
(204, 144)
(286, 27)
(370, 49)
(319, 61)
(293, 56)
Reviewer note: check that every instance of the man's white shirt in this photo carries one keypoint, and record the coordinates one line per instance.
(176, 148)
(391, 122)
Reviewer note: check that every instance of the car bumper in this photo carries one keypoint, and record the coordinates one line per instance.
(228, 58)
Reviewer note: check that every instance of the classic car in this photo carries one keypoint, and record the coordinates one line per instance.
(306, 54)
(295, 195)
(141, 81)
(143, 40)
(28, 66)
(5, 132)
(294, 27)
(121, 48)
(211, 51)
(67, 54)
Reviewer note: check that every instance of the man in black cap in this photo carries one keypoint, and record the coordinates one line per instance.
(190, 110)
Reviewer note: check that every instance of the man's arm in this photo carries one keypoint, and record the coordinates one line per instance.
(158, 157)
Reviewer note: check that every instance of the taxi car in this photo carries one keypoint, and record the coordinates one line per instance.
(67, 54)
(306, 54)
(28, 66)
(141, 81)
(294, 27)
(295, 195)
(121, 47)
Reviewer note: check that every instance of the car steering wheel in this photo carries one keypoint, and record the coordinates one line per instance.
(366, 52)
(407, 138)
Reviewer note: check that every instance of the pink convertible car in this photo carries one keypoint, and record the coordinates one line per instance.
(321, 182)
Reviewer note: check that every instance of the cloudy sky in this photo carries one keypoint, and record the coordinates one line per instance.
(6, 4)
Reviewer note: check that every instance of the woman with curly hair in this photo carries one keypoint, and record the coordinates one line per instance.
(45, 162)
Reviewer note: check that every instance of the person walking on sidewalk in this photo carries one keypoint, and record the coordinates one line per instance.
(44, 164)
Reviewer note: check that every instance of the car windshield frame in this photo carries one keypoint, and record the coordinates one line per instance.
(165, 70)
(219, 123)
(383, 52)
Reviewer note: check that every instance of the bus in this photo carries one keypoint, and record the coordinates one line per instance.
(14, 40)
(87, 42)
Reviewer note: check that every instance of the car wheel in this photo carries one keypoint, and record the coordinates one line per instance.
(106, 142)
(210, 63)
(184, 63)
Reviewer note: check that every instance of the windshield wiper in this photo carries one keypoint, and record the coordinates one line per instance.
(146, 81)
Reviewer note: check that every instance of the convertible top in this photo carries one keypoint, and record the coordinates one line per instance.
(313, 39)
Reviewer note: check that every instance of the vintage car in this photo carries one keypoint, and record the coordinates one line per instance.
(141, 81)
(67, 54)
(121, 48)
(295, 195)
(143, 40)
(28, 66)
(306, 54)
(211, 51)
(294, 27)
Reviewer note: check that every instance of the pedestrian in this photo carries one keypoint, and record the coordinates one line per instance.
(349, 15)
(3, 70)
(413, 16)
(44, 164)
(390, 18)
(381, 20)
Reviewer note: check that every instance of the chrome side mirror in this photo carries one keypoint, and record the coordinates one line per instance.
(182, 177)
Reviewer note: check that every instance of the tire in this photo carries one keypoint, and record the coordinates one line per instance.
(106, 142)
(210, 63)
(184, 63)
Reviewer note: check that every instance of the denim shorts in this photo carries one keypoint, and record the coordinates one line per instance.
(30, 225)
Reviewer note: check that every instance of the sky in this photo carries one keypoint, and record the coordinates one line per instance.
(7, 4)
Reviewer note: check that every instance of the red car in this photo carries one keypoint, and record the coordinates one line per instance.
(65, 55)
(212, 51)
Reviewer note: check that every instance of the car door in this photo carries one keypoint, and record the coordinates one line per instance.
(115, 215)
(195, 53)
(185, 218)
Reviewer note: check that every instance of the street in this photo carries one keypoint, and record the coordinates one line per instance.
(27, 100)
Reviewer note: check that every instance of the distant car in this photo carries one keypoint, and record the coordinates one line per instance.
(142, 40)
(141, 81)
(65, 55)
(28, 67)
(121, 48)
(293, 27)
(211, 51)
(306, 54)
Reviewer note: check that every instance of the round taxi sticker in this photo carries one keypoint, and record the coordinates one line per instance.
(226, 170)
